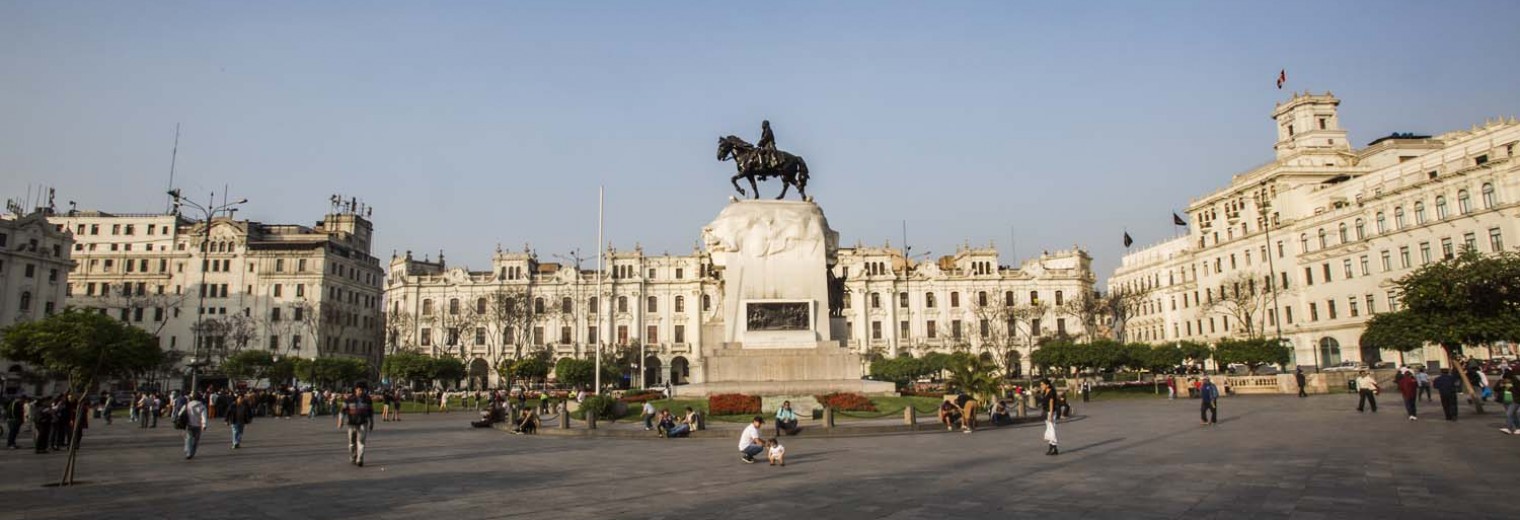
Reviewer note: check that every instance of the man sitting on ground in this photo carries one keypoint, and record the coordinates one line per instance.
(786, 419)
(1000, 415)
(949, 414)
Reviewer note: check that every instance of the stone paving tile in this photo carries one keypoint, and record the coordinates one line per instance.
(1272, 457)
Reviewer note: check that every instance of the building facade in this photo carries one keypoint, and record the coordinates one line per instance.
(1311, 243)
(666, 305)
(34, 277)
(290, 289)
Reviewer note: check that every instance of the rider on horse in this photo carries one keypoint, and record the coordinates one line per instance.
(766, 154)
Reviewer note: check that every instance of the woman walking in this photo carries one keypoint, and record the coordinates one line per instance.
(1048, 395)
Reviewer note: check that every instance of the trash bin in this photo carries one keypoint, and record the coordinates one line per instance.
(1351, 385)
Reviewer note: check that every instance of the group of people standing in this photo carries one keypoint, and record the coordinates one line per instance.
(51, 420)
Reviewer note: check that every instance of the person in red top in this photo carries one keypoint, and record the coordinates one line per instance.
(1409, 387)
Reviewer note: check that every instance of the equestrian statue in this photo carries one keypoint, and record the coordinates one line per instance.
(763, 161)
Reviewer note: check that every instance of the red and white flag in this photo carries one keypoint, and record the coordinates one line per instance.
(1282, 77)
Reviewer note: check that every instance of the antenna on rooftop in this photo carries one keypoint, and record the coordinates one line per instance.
(173, 158)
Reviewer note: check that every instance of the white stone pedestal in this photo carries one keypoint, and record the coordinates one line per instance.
(773, 258)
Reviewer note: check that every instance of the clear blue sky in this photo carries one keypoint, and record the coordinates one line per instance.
(468, 124)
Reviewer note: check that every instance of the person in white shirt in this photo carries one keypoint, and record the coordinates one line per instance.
(648, 413)
(195, 412)
(1367, 389)
(777, 452)
(750, 443)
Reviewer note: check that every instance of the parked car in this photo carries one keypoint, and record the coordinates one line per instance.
(1384, 364)
(1348, 366)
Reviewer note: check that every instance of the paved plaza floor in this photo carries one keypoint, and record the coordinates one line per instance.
(1271, 457)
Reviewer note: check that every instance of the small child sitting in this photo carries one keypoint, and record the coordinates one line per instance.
(777, 452)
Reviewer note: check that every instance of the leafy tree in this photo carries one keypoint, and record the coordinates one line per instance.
(448, 370)
(252, 365)
(1252, 352)
(901, 370)
(411, 367)
(334, 371)
(1157, 359)
(87, 348)
(575, 372)
(1195, 352)
(531, 367)
(1471, 299)
(1055, 354)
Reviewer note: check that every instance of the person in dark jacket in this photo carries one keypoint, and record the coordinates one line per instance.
(15, 414)
(42, 425)
(238, 415)
(1209, 395)
(359, 418)
(1298, 377)
(1409, 388)
(1446, 385)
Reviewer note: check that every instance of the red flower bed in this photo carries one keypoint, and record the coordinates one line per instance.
(641, 396)
(733, 404)
(847, 402)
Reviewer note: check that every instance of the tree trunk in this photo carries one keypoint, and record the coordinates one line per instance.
(1477, 400)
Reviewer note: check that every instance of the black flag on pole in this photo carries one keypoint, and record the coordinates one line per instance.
(1127, 240)
(1177, 220)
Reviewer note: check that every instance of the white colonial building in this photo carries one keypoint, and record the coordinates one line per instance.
(666, 305)
(1328, 228)
(34, 278)
(305, 291)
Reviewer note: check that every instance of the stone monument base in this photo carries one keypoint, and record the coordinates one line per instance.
(826, 368)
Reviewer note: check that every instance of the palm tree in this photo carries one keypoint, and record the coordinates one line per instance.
(974, 376)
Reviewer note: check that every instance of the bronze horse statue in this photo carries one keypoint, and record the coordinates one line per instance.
(757, 163)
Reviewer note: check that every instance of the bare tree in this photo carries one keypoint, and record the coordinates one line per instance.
(1090, 309)
(455, 320)
(1004, 327)
(1246, 297)
(400, 327)
(1123, 304)
(507, 314)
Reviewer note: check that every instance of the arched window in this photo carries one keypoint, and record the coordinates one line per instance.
(538, 306)
(1488, 196)
(1419, 212)
(1382, 223)
(981, 298)
(707, 301)
(1008, 299)
(1329, 352)
(1059, 299)
(1464, 202)
(1398, 217)
(480, 306)
(1322, 242)
(26, 302)
(680, 304)
(427, 307)
(1034, 297)
(929, 300)
(875, 300)
(453, 306)
(566, 305)
(591, 305)
(1303, 243)
(955, 299)
(1361, 229)
(651, 304)
(1440, 207)
(1343, 234)
(622, 305)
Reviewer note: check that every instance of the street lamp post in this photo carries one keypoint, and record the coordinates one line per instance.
(208, 212)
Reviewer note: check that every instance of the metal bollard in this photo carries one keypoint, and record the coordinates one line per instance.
(828, 417)
(564, 416)
(910, 416)
(1024, 405)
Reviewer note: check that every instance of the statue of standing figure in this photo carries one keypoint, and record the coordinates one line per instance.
(763, 161)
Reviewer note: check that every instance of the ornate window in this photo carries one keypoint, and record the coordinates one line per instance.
(1361, 229)
(1419, 212)
(1440, 207)
(1464, 202)
(1488, 196)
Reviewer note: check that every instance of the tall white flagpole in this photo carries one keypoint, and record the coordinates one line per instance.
(599, 302)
